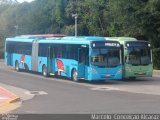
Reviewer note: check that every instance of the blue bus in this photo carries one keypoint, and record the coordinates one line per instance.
(87, 58)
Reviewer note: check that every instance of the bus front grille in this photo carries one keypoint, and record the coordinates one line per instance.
(140, 73)
(107, 76)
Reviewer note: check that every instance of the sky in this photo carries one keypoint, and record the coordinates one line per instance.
(20, 1)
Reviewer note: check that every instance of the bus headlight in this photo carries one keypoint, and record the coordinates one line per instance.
(128, 68)
(149, 45)
(120, 70)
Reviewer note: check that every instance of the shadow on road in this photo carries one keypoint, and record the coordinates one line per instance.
(138, 81)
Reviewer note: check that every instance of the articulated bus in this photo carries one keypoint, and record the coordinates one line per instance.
(136, 57)
(89, 58)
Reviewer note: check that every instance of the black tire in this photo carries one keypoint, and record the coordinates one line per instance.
(17, 66)
(75, 75)
(26, 67)
(44, 71)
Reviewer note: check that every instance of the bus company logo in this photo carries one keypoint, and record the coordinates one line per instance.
(60, 65)
(22, 58)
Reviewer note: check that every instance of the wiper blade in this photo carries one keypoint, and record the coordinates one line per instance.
(146, 64)
(135, 64)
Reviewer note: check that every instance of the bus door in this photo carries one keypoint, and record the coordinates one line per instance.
(82, 61)
(9, 59)
(50, 59)
(35, 47)
(9, 54)
(123, 59)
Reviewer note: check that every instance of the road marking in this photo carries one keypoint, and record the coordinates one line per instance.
(36, 93)
(3, 98)
(104, 88)
(143, 89)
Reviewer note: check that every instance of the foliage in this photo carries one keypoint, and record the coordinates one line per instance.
(134, 18)
(156, 58)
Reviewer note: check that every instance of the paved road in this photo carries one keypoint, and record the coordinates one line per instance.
(65, 96)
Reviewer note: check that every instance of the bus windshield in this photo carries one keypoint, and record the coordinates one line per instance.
(139, 56)
(105, 57)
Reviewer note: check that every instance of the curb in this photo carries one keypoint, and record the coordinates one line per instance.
(10, 101)
(1, 60)
(13, 100)
(156, 72)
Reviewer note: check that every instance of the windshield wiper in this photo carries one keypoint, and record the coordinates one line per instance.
(113, 66)
(145, 64)
(135, 64)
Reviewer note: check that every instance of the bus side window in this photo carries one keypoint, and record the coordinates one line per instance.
(87, 56)
(122, 54)
(83, 56)
(125, 58)
(52, 53)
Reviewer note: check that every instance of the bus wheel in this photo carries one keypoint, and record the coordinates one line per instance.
(17, 66)
(44, 71)
(74, 75)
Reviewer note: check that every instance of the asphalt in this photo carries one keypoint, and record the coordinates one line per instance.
(24, 94)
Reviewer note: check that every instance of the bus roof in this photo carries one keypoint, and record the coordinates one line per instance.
(79, 38)
(48, 35)
(65, 40)
(18, 39)
(73, 40)
(120, 39)
(38, 36)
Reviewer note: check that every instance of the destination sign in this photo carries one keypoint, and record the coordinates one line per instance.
(105, 44)
(111, 44)
(137, 43)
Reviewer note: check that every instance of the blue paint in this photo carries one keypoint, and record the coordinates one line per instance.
(68, 61)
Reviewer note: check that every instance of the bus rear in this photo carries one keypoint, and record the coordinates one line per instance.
(105, 61)
(138, 59)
